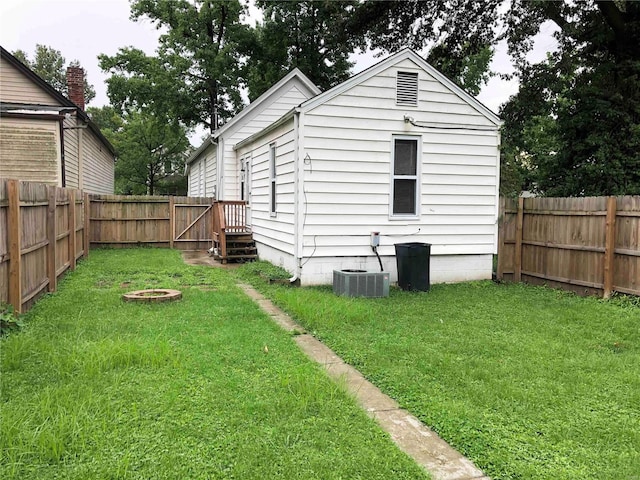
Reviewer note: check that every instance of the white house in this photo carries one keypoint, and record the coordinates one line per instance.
(397, 149)
(212, 169)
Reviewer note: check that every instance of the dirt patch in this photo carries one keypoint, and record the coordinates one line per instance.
(201, 257)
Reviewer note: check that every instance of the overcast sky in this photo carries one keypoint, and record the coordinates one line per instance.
(83, 29)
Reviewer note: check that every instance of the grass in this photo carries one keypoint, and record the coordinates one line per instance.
(529, 382)
(96, 388)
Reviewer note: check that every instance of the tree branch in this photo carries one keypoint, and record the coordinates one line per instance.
(552, 12)
(613, 16)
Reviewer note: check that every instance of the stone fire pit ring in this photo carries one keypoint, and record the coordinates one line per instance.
(154, 295)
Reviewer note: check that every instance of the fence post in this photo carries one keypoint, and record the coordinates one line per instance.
(501, 221)
(72, 229)
(85, 231)
(172, 220)
(51, 238)
(14, 228)
(517, 254)
(609, 246)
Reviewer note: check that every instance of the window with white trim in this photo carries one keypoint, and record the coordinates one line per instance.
(405, 187)
(272, 178)
(407, 89)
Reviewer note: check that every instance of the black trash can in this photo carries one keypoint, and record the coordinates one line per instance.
(413, 265)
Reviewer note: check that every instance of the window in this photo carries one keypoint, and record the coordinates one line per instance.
(272, 178)
(404, 182)
(245, 178)
(407, 89)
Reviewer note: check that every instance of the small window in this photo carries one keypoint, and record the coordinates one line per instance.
(407, 89)
(404, 182)
(272, 178)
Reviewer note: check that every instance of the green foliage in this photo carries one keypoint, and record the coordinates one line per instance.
(196, 75)
(49, 64)
(309, 35)
(459, 35)
(98, 388)
(265, 270)
(528, 382)
(585, 95)
(108, 119)
(151, 155)
(9, 321)
(574, 127)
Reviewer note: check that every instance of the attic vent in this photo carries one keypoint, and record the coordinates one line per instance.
(407, 89)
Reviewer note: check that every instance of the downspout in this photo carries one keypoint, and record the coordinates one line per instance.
(62, 165)
(298, 198)
(497, 216)
(80, 159)
(220, 167)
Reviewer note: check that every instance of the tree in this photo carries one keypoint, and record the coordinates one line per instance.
(586, 92)
(151, 154)
(309, 35)
(49, 64)
(573, 129)
(196, 75)
(108, 119)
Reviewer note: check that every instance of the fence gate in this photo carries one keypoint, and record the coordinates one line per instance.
(192, 223)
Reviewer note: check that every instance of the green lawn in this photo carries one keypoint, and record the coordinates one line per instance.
(529, 382)
(95, 388)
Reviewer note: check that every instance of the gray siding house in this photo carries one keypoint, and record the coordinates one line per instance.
(48, 138)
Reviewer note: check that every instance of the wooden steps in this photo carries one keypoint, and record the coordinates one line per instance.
(240, 247)
(232, 237)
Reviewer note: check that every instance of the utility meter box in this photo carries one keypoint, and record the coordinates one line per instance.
(375, 239)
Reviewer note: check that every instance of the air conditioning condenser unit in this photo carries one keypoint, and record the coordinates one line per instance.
(360, 283)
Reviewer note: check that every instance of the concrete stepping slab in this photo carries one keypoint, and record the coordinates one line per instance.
(409, 434)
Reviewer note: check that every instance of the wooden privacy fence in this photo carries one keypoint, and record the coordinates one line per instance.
(42, 234)
(589, 245)
(44, 230)
(184, 223)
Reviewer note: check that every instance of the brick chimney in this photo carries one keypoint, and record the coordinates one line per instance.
(75, 85)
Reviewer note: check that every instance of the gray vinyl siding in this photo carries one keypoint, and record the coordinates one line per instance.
(98, 165)
(347, 182)
(30, 150)
(71, 152)
(16, 88)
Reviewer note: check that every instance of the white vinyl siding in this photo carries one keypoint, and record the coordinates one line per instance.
(276, 232)
(348, 140)
(196, 179)
(202, 175)
(283, 101)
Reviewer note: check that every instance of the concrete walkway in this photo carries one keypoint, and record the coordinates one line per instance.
(411, 435)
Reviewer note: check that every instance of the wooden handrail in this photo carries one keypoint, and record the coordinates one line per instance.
(229, 217)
